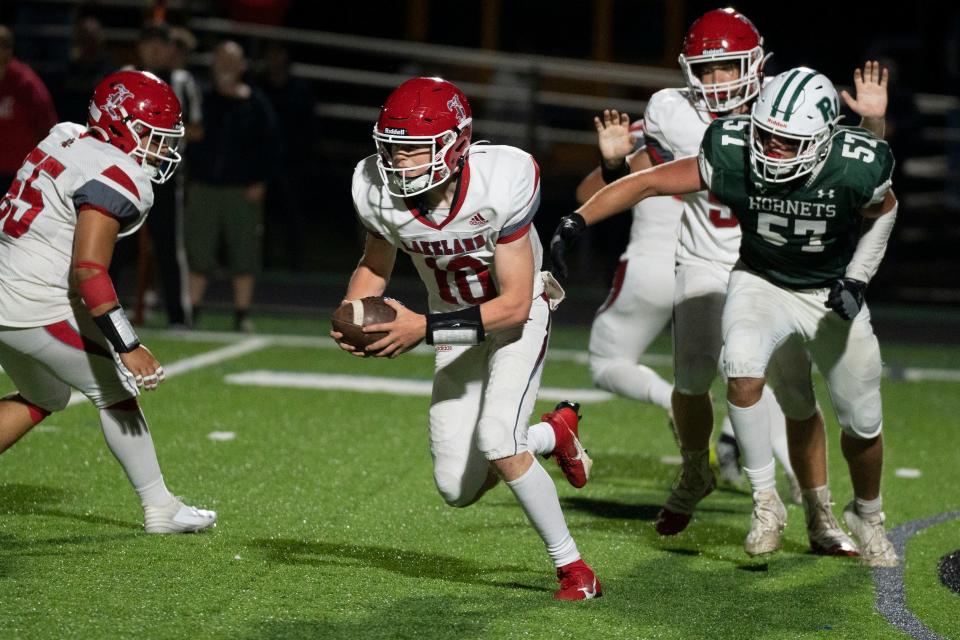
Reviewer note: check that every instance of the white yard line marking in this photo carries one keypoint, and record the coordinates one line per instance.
(199, 361)
(374, 384)
(910, 374)
(904, 472)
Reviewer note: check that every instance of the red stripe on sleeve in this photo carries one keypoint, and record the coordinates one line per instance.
(516, 235)
(116, 174)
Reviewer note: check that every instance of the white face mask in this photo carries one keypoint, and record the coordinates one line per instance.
(405, 182)
(157, 153)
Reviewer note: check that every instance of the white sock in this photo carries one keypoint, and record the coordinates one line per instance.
(778, 430)
(537, 495)
(764, 478)
(868, 507)
(129, 439)
(752, 428)
(635, 381)
(726, 427)
(541, 440)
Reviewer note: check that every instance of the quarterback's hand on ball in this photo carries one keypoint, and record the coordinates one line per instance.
(338, 338)
(614, 137)
(145, 369)
(405, 332)
(846, 297)
(565, 235)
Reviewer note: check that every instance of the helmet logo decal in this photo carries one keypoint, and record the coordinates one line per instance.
(456, 107)
(115, 101)
(826, 107)
(394, 131)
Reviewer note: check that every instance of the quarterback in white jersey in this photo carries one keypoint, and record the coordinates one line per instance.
(464, 215)
(61, 325)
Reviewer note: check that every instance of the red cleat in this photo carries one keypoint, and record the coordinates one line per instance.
(577, 582)
(670, 523)
(569, 453)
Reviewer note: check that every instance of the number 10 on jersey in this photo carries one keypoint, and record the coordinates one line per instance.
(464, 280)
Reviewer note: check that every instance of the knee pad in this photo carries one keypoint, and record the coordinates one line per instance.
(53, 399)
(455, 491)
(862, 418)
(598, 371)
(694, 374)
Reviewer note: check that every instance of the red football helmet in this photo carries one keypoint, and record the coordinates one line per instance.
(423, 112)
(723, 35)
(139, 113)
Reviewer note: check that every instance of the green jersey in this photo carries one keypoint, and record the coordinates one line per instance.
(799, 234)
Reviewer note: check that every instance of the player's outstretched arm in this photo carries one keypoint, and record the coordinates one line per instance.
(94, 240)
(617, 155)
(672, 178)
(370, 278)
(870, 99)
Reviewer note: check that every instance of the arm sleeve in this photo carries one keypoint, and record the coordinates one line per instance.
(525, 201)
(653, 137)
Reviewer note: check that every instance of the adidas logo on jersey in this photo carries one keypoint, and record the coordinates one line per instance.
(477, 219)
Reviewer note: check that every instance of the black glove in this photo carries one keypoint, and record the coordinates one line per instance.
(564, 236)
(846, 297)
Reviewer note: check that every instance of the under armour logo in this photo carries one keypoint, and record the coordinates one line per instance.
(825, 194)
(114, 103)
(477, 219)
(454, 105)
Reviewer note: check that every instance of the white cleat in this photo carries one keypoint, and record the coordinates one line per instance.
(177, 517)
(766, 523)
(876, 550)
(728, 461)
(824, 532)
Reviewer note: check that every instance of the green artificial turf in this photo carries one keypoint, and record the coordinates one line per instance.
(330, 525)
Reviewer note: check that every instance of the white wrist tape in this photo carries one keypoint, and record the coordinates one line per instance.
(871, 247)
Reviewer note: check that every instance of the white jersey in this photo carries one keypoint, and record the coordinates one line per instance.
(453, 249)
(67, 170)
(655, 220)
(674, 129)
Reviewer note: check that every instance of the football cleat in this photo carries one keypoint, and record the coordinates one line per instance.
(876, 550)
(766, 523)
(696, 481)
(177, 517)
(569, 453)
(823, 530)
(577, 582)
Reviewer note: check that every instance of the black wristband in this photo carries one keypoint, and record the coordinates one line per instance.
(117, 330)
(612, 175)
(464, 326)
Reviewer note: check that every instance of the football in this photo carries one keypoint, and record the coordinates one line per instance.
(350, 318)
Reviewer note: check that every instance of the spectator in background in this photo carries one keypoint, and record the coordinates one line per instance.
(26, 110)
(164, 228)
(230, 168)
(184, 43)
(88, 64)
(293, 103)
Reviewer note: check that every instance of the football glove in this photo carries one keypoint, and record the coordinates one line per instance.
(846, 297)
(565, 235)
